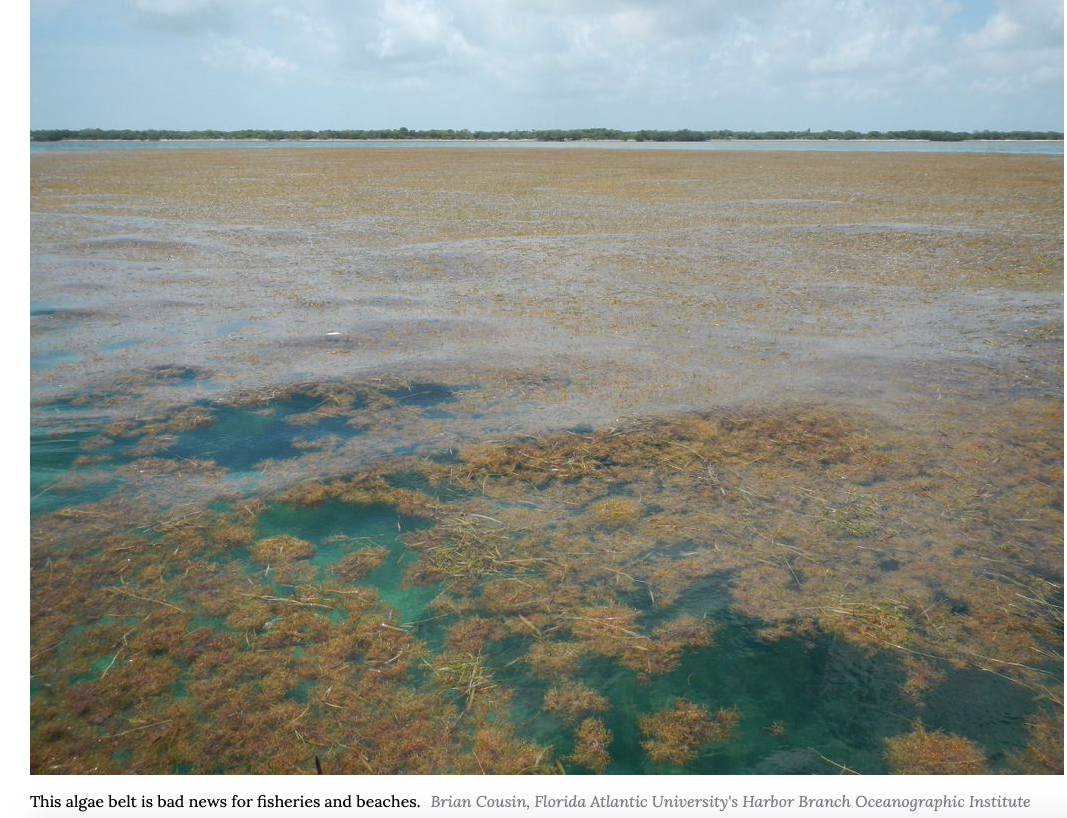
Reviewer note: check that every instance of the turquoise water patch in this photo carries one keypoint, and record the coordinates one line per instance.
(46, 497)
(52, 457)
(983, 707)
(53, 453)
(317, 523)
(301, 691)
(217, 623)
(124, 344)
(95, 670)
(236, 437)
(337, 528)
(448, 457)
(801, 701)
(243, 435)
(44, 360)
(236, 325)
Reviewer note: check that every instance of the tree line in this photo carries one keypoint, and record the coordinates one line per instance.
(550, 135)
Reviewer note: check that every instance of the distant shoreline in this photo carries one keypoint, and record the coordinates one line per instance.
(563, 136)
(606, 141)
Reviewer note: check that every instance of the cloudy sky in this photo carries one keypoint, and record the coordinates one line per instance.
(502, 64)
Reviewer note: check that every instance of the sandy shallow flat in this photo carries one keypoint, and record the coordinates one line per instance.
(810, 401)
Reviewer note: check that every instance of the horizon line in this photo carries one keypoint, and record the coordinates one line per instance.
(549, 134)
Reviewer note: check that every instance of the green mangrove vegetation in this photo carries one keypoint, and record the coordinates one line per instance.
(540, 135)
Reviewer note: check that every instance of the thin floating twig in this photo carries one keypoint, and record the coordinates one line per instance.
(144, 598)
(491, 519)
(290, 600)
(841, 767)
(135, 729)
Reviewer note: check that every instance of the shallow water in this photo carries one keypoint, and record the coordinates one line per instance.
(805, 694)
(638, 478)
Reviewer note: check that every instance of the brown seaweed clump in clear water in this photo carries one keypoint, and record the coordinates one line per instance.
(673, 639)
(922, 752)
(357, 564)
(614, 631)
(496, 751)
(470, 635)
(615, 511)
(363, 488)
(550, 659)
(675, 734)
(281, 548)
(591, 742)
(229, 535)
(573, 699)
(1043, 754)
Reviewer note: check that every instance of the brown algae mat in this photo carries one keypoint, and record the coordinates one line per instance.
(613, 462)
(504, 609)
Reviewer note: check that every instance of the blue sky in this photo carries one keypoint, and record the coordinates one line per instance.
(501, 64)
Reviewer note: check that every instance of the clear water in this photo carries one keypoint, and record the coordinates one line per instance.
(831, 697)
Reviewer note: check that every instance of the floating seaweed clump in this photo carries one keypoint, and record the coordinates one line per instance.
(464, 674)
(871, 624)
(573, 699)
(677, 637)
(551, 659)
(592, 740)
(777, 728)
(462, 548)
(675, 734)
(89, 459)
(923, 752)
(230, 535)
(497, 752)
(1043, 754)
(615, 511)
(470, 635)
(357, 564)
(921, 676)
(614, 631)
(363, 489)
(187, 419)
(281, 548)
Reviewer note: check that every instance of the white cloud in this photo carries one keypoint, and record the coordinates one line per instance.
(636, 52)
(1023, 25)
(230, 52)
(418, 32)
(1020, 47)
